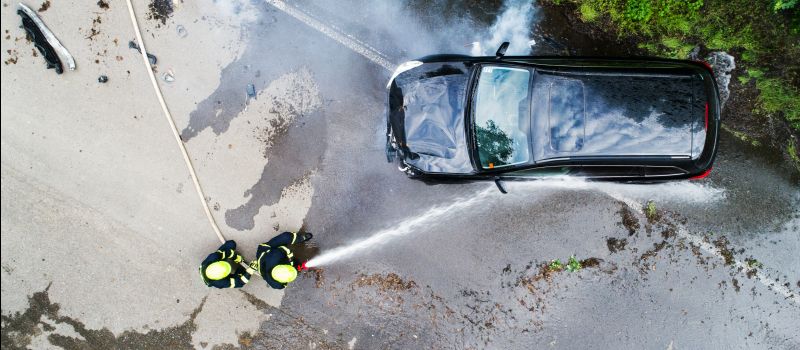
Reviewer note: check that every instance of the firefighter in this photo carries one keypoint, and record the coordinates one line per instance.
(222, 269)
(274, 260)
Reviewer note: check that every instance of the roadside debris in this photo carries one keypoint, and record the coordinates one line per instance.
(103, 4)
(181, 30)
(616, 244)
(44, 40)
(160, 10)
(132, 44)
(102, 79)
(45, 6)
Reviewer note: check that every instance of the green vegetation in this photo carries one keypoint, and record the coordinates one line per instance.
(792, 149)
(650, 210)
(776, 96)
(753, 263)
(556, 265)
(573, 264)
(764, 36)
(778, 5)
(588, 13)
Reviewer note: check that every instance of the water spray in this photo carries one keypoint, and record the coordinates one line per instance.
(630, 194)
(404, 228)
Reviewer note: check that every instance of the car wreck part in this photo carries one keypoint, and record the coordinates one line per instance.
(499, 183)
(44, 40)
(251, 90)
(501, 51)
(405, 66)
(151, 57)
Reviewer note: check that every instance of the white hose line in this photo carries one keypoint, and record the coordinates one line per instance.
(175, 133)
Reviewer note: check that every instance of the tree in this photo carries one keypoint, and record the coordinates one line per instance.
(494, 146)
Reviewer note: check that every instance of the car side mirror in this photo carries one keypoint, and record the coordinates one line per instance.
(501, 51)
(500, 185)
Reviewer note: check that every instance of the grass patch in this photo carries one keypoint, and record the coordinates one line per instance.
(753, 263)
(588, 13)
(650, 210)
(555, 265)
(573, 264)
(777, 96)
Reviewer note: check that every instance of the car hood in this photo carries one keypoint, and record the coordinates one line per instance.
(426, 114)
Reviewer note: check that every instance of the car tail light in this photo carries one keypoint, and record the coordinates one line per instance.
(706, 115)
(701, 176)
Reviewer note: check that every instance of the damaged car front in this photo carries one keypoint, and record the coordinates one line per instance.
(425, 112)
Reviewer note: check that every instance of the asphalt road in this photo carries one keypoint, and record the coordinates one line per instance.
(714, 266)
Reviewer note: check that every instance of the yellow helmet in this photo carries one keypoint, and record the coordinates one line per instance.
(218, 270)
(284, 273)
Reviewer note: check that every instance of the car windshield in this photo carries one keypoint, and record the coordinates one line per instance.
(502, 116)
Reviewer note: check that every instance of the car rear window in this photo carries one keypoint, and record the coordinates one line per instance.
(502, 116)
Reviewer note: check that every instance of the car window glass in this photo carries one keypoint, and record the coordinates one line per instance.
(566, 115)
(502, 116)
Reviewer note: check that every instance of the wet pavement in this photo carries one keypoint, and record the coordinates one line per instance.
(480, 277)
(474, 279)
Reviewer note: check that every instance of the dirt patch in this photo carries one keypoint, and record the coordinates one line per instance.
(317, 274)
(616, 244)
(643, 260)
(390, 282)
(669, 232)
(590, 263)
(160, 10)
(20, 328)
(629, 220)
(258, 303)
(548, 270)
(727, 254)
(45, 6)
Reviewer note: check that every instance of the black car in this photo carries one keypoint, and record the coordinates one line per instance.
(518, 117)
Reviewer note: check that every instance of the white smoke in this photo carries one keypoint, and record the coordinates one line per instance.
(242, 11)
(513, 25)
